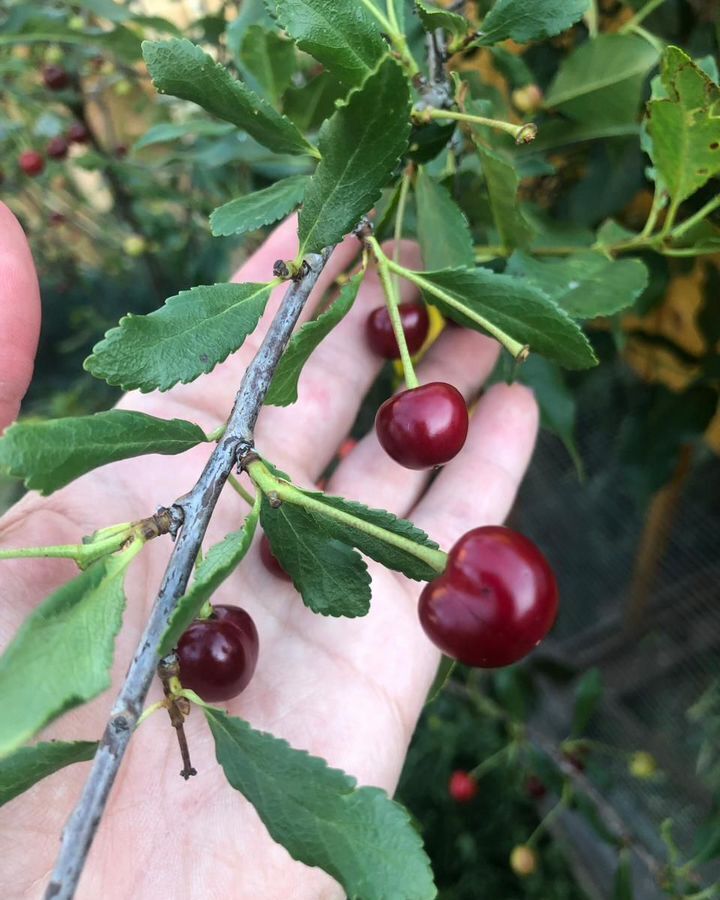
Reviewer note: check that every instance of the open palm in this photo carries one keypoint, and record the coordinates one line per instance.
(347, 690)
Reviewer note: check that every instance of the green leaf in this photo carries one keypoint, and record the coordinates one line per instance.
(377, 548)
(502, 183)
(105, 9)
(514, 306)
(529, 20)
(623, 883)
(260, 208)
(308, 106)
(171, 131)
(361, 144)
(556, 401)
(340, 34)
(432, 18)
(331, 577)
(358, 835)
(443, 230)
(284, 386)
(25, 767)
(601, 81)
(180, 68)
(442, 676)
(587, 696)
(685, 127)
(270, 59)
(61, 656)
(586, 285)
(220, 562)
(50, 454)
(188, 336)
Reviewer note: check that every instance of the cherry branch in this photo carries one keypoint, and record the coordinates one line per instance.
(192, 513)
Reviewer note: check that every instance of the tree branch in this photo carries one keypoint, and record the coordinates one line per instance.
(192, 512)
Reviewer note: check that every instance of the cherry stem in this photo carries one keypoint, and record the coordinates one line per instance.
(288, 493)
(522, 134)
(400, 220)
(563, 803)
(391, 296)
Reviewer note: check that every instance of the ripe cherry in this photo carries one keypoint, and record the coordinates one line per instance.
(31, 162)
(78, 134)
(57, 148)
(495, 602)
(380, 334)
(270, 561)
(218, 655)
(424, 426)
(462, 787)
(55, 78)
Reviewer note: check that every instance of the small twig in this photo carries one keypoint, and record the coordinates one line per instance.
(197, 508)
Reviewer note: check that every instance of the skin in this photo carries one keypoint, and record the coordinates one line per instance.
(348, 690)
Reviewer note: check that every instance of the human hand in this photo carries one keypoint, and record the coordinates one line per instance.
(347, 690)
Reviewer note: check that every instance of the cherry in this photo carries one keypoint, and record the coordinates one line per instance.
(424, 426)
(270, 561)
(55, 78)
(218, 655)
(380, 334)
(78, 134)
(31, 162)
(462, 786)
(534, 788)
(495, 602)
(57, 148)
(523, 860)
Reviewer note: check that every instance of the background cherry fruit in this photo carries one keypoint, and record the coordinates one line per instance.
(31, 162)
(462, 786)
(55, 78)
(534, 788)
(218, 655)
(523, 860)
(495, 602)
(57, 148)
(424, 426)
(78, 134)
(270, 561)
(380, 334)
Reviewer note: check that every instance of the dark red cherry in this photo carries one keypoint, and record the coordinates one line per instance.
(270, 561)
(31, 162)
(495, 602)
(57, 148)
(218, 655)
(534, 788)
(78, 134)
(462, 787)
(380, 334)
(424, 426)
(55, 78)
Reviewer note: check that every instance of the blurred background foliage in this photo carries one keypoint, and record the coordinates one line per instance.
(614, 729)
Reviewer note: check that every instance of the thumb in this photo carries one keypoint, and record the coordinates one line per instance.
(19, 316)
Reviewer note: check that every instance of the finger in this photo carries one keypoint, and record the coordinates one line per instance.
(332, 385)
(479, 486)
(461, 357)
(19, 315)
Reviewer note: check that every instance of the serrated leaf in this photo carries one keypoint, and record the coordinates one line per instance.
(529, 20)
(308, 106)
(50, 454)
(358, 835)
(187, 337)
(180, 68)
(377, 548)
(61, 656)
(260, 208)
(25, 767)
(588, 693)
(171, 131)
(685, 127)
(340, 34)
(585, 285)
(502, 183)
(284, 386)
(361, 144)
(433, 17)
(220, 562)
(556, 402)
(443, 230)
(331, 577)
(601, 81)
(517, 308)
(270, 59)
